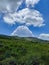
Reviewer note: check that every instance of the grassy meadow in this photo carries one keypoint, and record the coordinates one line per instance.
(23, 51)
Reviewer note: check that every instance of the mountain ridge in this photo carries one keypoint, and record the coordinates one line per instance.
(8, 36)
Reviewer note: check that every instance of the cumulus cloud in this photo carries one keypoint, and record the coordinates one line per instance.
(13, 5)
(27, 16)
(44, 36)
(31, 2)
(22, 31)
(9, 5)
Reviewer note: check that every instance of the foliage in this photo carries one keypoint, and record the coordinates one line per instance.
(23, 51)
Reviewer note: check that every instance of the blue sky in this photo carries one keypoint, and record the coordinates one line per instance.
(38, 27)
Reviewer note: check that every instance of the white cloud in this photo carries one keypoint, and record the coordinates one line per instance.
(31, 2)
(12, 5)
(27, 16)
(44, 36)
(9, 5)
(22, 31)
(9, 19)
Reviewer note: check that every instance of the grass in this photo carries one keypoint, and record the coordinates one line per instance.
(23, 51)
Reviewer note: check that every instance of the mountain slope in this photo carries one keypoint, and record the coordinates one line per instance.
(23, 51)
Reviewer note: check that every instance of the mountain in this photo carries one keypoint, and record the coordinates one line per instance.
(23, 51)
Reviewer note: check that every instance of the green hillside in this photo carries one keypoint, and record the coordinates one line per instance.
(23, 51)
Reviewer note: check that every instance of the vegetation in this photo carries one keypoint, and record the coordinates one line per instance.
(23, 51)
